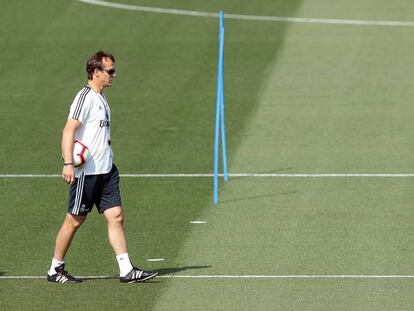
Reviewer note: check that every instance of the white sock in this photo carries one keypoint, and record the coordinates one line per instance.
(124, 264)
(55, 264)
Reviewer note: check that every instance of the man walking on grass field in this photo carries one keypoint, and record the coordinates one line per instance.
(97, 182)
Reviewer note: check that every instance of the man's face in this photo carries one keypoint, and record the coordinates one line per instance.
(107, 74)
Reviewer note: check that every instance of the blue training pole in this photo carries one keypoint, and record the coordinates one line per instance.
(223, 126)
(218, 110)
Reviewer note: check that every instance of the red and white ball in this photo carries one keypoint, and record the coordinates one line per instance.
(80, 154)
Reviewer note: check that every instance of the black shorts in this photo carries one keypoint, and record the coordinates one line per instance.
(101, 190)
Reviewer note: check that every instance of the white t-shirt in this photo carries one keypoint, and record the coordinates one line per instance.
(92, 110)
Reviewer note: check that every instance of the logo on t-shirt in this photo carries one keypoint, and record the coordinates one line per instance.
(104, 123)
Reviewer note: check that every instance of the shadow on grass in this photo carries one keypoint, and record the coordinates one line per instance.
(90, 278)
(164, 271)
(275, 171)
(259, 197)
(167, 271)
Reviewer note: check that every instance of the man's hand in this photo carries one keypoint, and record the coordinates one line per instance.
(68, 174)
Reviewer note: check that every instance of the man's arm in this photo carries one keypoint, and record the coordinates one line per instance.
(68, 138)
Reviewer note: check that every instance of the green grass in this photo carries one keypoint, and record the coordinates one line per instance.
(300, 98)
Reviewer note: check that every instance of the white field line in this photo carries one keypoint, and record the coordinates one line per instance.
(218, 276)
(252, 17)
(288, 276)
(275, 175)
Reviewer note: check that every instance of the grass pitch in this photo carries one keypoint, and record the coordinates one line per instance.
(300, 98)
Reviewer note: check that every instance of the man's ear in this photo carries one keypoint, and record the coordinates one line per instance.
(96, 71)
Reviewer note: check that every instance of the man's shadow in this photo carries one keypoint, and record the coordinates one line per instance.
(161, 272)
(167, 271)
